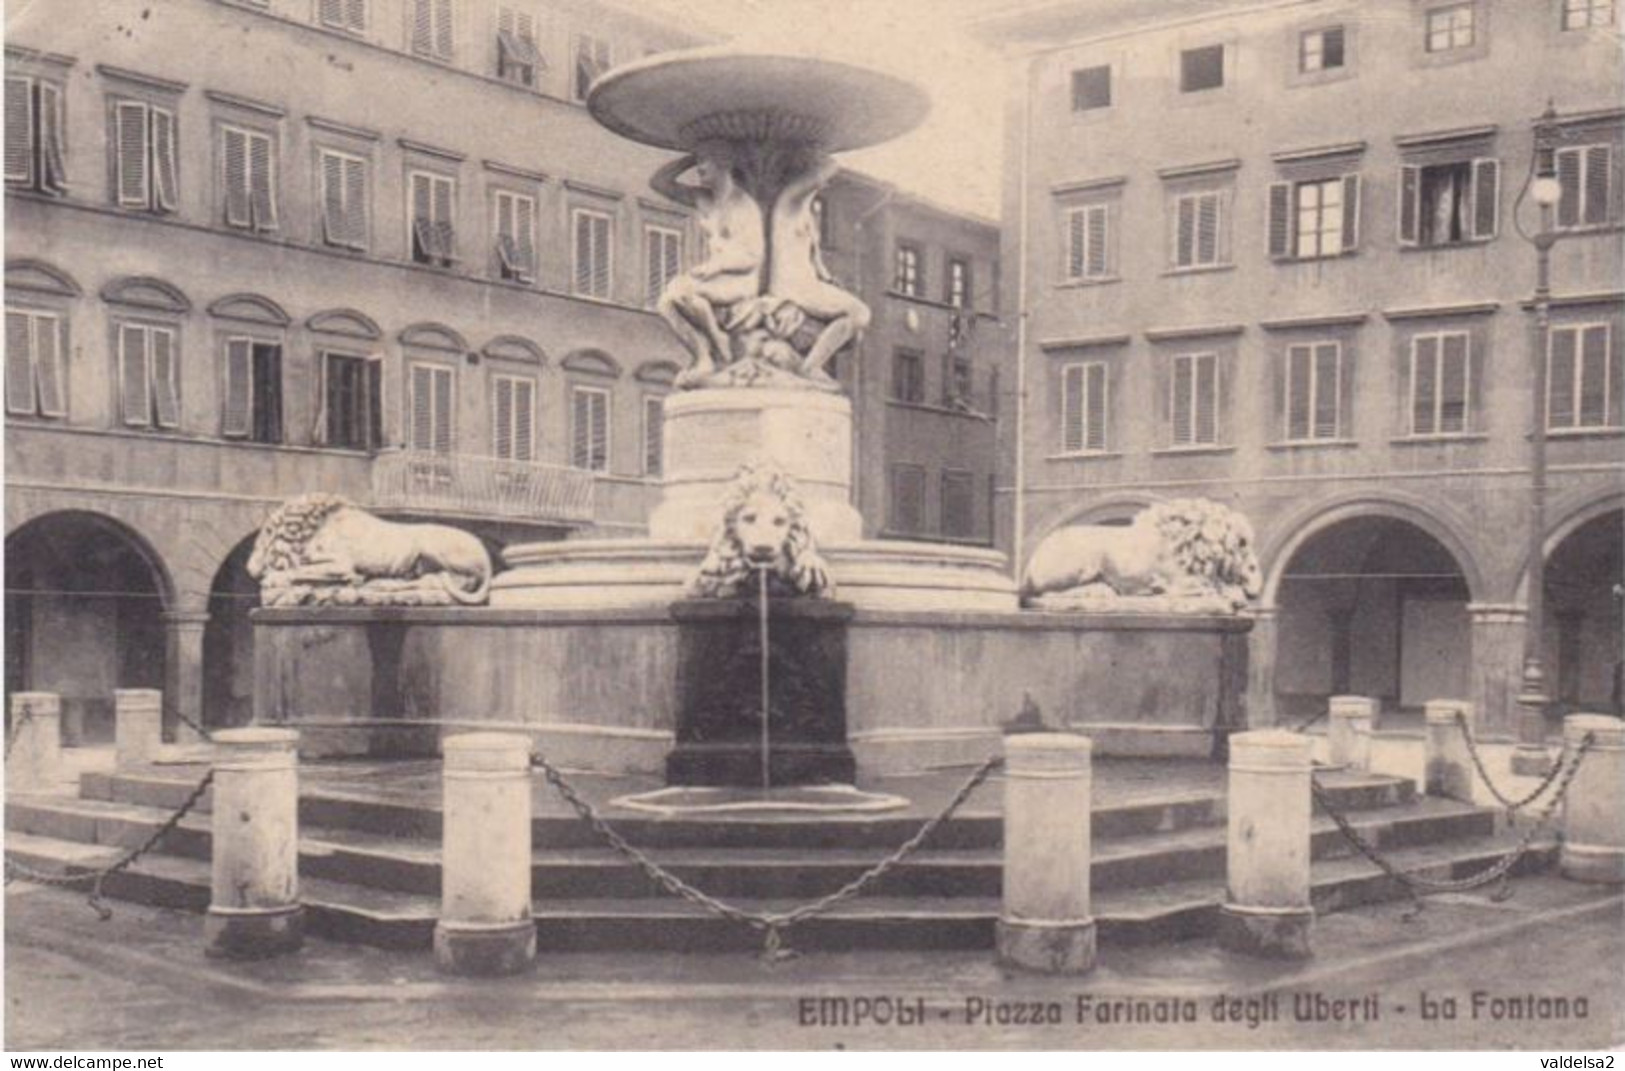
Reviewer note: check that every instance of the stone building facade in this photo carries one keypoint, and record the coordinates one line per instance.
(1271, 252)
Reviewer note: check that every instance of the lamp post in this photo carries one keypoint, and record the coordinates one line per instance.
(1530, 757)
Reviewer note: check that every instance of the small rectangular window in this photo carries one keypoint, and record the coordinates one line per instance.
(591, 253)
(248, 180)
(1588, 193)
(1201, 68)
(1313, 391)
(1451, 27)
(1586, 14)
(959, 283)
(149, 376)
(145, 161)
(515, 229)
(1091, 88)
(592, 58)
(907, 278)
(352, 401)
(1440, 375)
(253, 391)
(1320, 50)
(431, 408)
(517, 55)
(35, 383)
(432, 29)
(513, 418)
(663, 251)
(589, 429)
(958, 504)
(1199, 226)
(1450, 203)
(908, 376)
(1083, 408)
(1579, 364)
(347, 15)
(433, 206)
(1195, 402)
(344, 199)
(907, 512)
(1089, 243)
(36, 137)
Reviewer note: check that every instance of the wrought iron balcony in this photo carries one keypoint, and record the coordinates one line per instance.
(422, 480)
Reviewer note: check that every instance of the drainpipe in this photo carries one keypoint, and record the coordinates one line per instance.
(1019, 513)
(859, 357)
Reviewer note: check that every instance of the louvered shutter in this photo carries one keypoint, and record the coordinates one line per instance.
(1410, 205)
(1095, 412)
(19, 363)
(20, 131)
(444, 227)
(673, 259)
(355, 202)
(1181, 403)
(332, 12)
(444, 415)
(653, 436)
(524, 420)
(165, 178)
(1486, 198)
(653, 267)
(422, 217)
(1453, 384)
(1328, 388)
(422, 415)
(239, 211)
(502, 416)
(130, 121)
(600, 258)
(1560, 378)
(1597, 159)
(1099, 264)
(1076, 238)
(1207, 399)
(1593, 386)
(1424, 385)
(524, 214)
(1207, 229)
(1351, 212)
(261, 194)
(583, 257)
(422, 27)
(165, 377)
(48, 366)
(333, 227)
(1568, 177)
(600, 432)
(267, 362)
(580, 433)
(239, 407)
(373, 378)
(1280, 219)
(134, 388)
(355, 14)
(1298, 373)
(1185, 233)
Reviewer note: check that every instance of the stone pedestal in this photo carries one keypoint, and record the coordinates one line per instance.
(708, 434)
(1268, 911)
(485, 925)
(138, 725)
(1447, 766)
(254, 908)
(1045, 923)
(1594, 809)
(719, 693)
(34, 762)
(1348, 733)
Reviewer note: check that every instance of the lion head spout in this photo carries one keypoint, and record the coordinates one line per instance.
(763, 530)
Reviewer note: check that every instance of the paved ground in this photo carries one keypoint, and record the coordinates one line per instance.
(140, 981)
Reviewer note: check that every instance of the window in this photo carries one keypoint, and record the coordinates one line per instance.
(344, 199)
(347, 15)
(1447, 204)
(1091, 88)
(957, 375)
(654, 445)
(246, 167)
(592, 253)
(1439, 384)
(958, 283)
(513, 418)
(907, 512)
(1320, 50)
(517, 55)
(434, 234)
(432, 29)
(589, 429)
(1313, 391)
(908, 279)
(663, 248)
(1195, 403)
(908, 376)
(253, 407)
(1317, 218)
(1579, 377)
(1089, 243)
(1451, 27)
(35, 137)
(515, 230)
(592, 60)
(431, 402)
(1583, 172)
(35, 384)
(1584, 14)
(1083, 408)
(958, 504)
(1201, 68)
(144, 160)
(352, 401)
(149, 379)
(1200, 230)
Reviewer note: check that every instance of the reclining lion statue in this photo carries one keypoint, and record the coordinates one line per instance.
(318, 549)
(764, 528)
(1187, 555)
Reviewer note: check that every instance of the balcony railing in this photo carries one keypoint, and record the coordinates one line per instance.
(482, 486)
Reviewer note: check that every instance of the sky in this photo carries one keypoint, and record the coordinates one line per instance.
(954, 156)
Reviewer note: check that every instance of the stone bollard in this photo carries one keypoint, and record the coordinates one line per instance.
(1594, 809)
(34, 759)
(1447, 765)
(485, 925)
(138, 725)
(1348, 733)
(1268, 911)
(254, 908)
(1045, 924)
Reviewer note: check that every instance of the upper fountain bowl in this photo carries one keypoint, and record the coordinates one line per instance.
(676, 100)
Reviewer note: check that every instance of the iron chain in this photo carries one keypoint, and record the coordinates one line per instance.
(772, 924)
(1478, 763)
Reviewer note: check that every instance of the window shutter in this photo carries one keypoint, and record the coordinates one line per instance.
(1486, 198)
(1096, 412)
(1185, 233)
(1280, 219)
(239, 213)
(355, 14)
(355, 203)
(1076, 238)
(422, 415)
(1099, 255)
(1453, 384)
(1424, 382)
(1298, 374)
(1181, 410)
(374, 415)
(502, 417)
(443, 42)
(580, 433)
(653, 267)
(1207, 399)
(1560, 378)
(583, 257)
(130, 132)
(600, 258)
(445, 400)
(19, 359)
(1328, 390)
(1593, 389)
(422, 216)
(134, 388)
(267, 392)
(48, 366)
(1351, 212)
(19, 130)
(1568, 177)
(1597, 183)
(53, 137)
(525, 234)
(239, 387)
(444, 220)
(422, 27)
(260, 186)
(333, 223)
(165, 377)
(600, 432)
(1410, 205)
(331, 12)
(653, 436)
(166, 184)
(1207, 229)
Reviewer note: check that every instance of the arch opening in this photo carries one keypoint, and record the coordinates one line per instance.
(1581, 639)
(228, 642)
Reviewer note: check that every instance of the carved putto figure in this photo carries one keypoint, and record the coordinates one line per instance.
(319, 550)
(764, 527)
(1188, 555)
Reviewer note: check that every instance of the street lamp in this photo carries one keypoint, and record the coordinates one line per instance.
(1530, 758)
